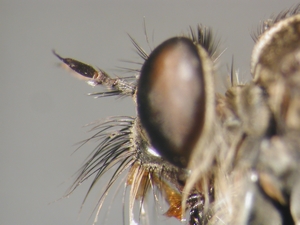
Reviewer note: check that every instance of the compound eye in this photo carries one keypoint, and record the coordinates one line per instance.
(171, 99)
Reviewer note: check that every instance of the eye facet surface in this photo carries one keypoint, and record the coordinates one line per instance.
(171, 97)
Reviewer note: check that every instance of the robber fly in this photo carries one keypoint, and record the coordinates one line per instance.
(215, 158)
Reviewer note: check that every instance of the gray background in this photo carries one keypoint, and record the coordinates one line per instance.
(43, 108)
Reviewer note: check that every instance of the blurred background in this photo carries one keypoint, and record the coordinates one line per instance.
(43, 109)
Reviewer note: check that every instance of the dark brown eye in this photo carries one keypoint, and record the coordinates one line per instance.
(171, 98)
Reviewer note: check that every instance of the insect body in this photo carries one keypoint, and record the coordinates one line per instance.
(224, 159)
